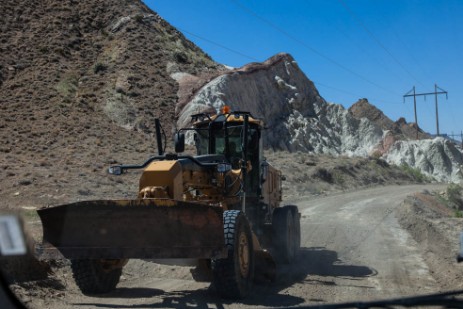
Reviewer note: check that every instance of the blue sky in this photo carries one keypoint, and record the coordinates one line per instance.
(351, 49)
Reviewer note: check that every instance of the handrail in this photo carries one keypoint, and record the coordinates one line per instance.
(123, 167)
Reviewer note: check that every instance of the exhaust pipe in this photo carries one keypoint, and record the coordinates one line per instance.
(157, 125)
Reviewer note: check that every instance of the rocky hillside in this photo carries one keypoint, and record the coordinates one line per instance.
(299, 119)
(400, 128)
(438, 157)
(109, 57)
(81, 83)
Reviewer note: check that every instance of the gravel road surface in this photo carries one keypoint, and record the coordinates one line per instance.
(353, 249)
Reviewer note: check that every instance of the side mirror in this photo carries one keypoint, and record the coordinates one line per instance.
(115, 170)
(179, 142)
(12, 240)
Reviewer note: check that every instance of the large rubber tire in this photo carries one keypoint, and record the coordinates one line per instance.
(233, 276)
(92, 278)
(286, 233)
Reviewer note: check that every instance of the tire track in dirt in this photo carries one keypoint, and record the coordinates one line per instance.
(353, 249)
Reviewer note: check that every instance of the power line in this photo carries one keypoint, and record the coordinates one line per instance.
(354, 94)
(452, 114)
(377, 41)
(364, 51)
(435, 93)
(313, 50)
(252, 58)
(340, 90)
(219, 45)
(374, 38)
(404, 43)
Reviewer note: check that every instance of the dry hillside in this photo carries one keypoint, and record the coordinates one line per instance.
(400, 128)
(81, 83)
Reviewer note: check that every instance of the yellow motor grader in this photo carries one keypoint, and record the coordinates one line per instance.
(220, 208)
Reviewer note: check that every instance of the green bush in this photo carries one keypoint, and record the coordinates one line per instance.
(323, 174)
(99, 67)
(376, 154)
(139, 18)
(68, 86)
(338, 178)
(415, 173)
(454, 196)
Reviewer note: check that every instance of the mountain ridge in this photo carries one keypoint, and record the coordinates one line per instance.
(81, 83)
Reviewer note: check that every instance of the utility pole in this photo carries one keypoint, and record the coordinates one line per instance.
(437, 110)
(414, 107)
(435, 93)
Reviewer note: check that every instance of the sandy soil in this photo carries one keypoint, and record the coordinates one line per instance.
(353, 248)
(80, 101)
(436, 230)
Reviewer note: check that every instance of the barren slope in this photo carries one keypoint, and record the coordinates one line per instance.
(401, 129)
(80, 85)
(353, 249)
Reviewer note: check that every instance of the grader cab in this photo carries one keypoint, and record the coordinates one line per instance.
(220, 207)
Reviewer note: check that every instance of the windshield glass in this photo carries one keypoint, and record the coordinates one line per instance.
(218, 142)
(201, 138)
(349, 187)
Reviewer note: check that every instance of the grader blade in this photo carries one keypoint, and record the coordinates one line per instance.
(120, 229)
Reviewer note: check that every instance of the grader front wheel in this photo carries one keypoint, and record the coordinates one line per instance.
(95, 276)
(233, 276)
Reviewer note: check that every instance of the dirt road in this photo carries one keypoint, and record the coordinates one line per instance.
(353, 249)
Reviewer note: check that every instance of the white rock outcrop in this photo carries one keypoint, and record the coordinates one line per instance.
(438, 157)
(297, 118)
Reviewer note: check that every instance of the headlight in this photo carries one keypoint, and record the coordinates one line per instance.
(115, 170)
(223, 167)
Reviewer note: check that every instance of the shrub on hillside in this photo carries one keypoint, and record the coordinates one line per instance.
(415, 173)
(454, 196)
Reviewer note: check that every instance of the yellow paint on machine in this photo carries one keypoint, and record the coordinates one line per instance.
(164, 173)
